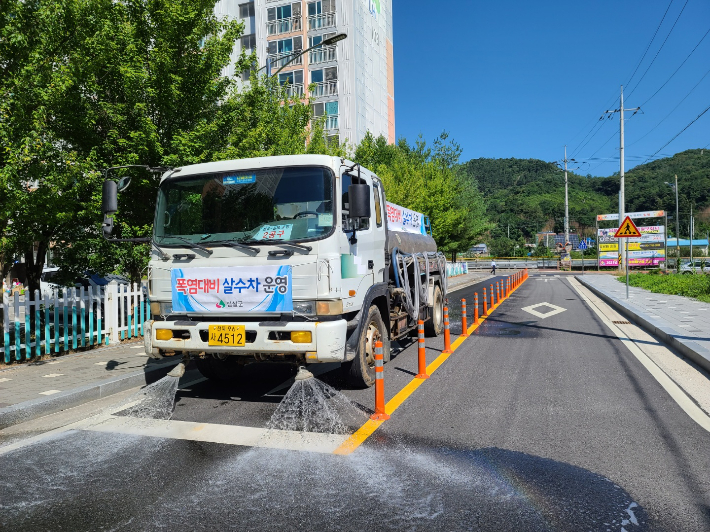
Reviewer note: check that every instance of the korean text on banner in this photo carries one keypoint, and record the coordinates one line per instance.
(232, 289)
(404, 220)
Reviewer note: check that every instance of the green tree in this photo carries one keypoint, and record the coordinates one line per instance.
(423, 179)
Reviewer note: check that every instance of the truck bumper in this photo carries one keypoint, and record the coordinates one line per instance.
(327, 339)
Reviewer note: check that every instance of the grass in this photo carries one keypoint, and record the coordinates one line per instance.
(695, 286)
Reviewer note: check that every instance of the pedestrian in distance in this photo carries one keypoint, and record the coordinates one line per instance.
(493, 267)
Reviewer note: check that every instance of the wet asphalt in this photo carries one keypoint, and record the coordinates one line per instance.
(532, 424)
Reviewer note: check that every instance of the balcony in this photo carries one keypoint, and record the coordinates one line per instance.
(279, 60)
(325, 88)
(322, 54)
(324, 20)
(331, 124)
(294, 90)
(283, 25)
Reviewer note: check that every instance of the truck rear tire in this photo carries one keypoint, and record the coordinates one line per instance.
(217, 369)
(360, 372)
(435, 326)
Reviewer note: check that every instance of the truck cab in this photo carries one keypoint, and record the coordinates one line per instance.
(284, 259)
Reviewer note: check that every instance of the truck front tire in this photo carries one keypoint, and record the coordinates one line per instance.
(435, 326)
(360, 372)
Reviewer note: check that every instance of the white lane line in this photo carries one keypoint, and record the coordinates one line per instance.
(224, 434)
(543, 315)
(675, 391)
(5, 379)
(52, 375)
(50, 392)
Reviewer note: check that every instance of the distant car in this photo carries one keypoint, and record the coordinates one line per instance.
(94, 280)
(45, 280)
(696, 266)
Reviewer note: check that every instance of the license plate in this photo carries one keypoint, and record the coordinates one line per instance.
(229, 335)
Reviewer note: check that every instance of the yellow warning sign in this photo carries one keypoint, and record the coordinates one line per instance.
(627, 229)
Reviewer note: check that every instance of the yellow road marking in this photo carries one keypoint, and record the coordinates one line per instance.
(370, 426)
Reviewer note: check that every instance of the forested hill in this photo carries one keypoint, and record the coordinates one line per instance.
(527, 195)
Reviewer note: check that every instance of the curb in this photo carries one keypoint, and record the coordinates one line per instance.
(28, 410)
(670, 336)
(470, 283)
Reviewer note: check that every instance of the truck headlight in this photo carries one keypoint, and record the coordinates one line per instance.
(305, 307)
(160, 309)
(329, 308)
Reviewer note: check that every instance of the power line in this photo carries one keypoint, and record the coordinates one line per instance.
(650, 43)
(677, 69)
(659, 50)
(673, 110)
(595, 124)
(681, 131)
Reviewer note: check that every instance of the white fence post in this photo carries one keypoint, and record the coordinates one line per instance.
(111, 312)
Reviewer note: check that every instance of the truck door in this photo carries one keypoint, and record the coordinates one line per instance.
(357, 261)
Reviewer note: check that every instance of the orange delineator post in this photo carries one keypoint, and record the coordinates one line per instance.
(379, 414)
(447, 333)
(493, 298)
(485, 302)
(422, 352)
(475, 308)
(498, 292)
(464, 324)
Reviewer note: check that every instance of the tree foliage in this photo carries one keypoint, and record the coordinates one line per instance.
(91, 84)
(423, 179)
(527, 196)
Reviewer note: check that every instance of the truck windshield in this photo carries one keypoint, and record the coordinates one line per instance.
(258, 206)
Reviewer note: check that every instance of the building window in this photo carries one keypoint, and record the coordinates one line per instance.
(246, 10)
(317, 39)
(249, 42)
(321, 6)
(324, 74)
(285, 46)
(295, 77)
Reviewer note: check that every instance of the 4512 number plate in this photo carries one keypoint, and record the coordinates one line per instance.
(227, 335)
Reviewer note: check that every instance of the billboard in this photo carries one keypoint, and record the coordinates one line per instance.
(642, 214)
(646, 250)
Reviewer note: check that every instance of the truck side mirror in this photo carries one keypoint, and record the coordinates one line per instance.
(359, 201)
(109, 198)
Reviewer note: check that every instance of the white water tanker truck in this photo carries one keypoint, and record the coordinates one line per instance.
(294, 259)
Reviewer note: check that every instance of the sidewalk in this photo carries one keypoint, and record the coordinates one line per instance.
(47, 386)
(680, 322)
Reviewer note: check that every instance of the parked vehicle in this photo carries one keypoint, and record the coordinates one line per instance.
(695, 266)
(291, 258)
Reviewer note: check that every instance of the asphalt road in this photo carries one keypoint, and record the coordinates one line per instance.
(535, 423)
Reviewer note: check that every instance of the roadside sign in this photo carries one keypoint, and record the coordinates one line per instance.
(627, 229)
(583, 245)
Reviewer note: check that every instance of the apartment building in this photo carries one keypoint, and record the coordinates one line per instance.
(353, 80)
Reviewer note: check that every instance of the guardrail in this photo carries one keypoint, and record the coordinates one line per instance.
(69, 319)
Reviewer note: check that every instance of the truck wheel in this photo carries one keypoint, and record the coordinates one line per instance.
(360, 372)
(435, 326)
(217, 369)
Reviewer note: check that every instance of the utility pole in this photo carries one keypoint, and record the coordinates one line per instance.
(677, 228)
(566, 202)
(622, 198)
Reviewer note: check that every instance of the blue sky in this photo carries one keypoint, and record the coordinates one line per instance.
(522, 79)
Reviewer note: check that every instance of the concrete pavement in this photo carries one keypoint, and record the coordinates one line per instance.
(680, 322)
